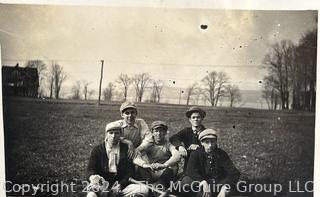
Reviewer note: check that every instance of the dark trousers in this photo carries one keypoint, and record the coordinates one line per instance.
(193, 189)
(164, 179)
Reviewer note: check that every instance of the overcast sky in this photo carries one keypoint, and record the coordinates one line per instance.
(167, 43)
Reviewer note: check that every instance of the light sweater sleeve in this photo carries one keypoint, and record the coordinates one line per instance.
(145, 133)
(175, 156)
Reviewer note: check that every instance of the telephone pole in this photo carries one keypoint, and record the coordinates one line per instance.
(101, 76)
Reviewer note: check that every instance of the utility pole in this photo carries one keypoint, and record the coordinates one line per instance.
(102, 61)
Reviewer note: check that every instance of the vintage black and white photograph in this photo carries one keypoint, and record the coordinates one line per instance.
(158, 101)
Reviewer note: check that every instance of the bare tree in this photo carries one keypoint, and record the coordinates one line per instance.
(200, 96)
(85, 89)
(140, 81)
(90, 93)
(50, 78)
(190, 92)
(76, 90)
(293, 68)
(125, 80)
(266, 94)
(41, 68)
(305, 73)
(156, 91)
(270, 92)
(233, 92)
(59, 78)
(56, 77)
(108, 92)
(215, 84)
(105, 94)
(279, 60)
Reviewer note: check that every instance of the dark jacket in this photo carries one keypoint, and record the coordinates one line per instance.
(186, 136)
(98, 165)
(198, 168)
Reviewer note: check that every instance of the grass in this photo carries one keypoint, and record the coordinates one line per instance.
(48, 141)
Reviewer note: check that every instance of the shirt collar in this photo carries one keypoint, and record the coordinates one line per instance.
(109, 148)
(124, 124)
(195, 130)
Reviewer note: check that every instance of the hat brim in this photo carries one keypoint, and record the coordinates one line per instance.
(113, 129)
(202, 113)
(209, 137)
(160, 126)
(129, 107)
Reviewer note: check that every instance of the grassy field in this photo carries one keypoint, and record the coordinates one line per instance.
(48, 141)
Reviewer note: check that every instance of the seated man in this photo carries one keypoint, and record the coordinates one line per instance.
(211, 168)
(187, 140)
(133, 130)
(109, 167)
(163, 157)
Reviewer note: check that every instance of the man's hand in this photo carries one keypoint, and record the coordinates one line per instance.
(145, 165)
(193, 147)
(182, 151)
(205, 188)
(158, 166)
(223, 191)
(96, 179)
(116, 190)
(97, 183)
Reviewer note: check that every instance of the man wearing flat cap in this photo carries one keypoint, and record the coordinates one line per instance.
(210, 168)
(133, 130)
(187, 140)
(163, 157)
(110, 167)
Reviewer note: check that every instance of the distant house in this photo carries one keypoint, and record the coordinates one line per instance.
(18, 81)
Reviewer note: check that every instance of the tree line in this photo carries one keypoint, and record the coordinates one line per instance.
(212, 88)
(291, 79)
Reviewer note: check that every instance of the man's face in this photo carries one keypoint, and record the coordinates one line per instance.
(159, 134)
(129, 115)
(113, 137)
(209, 144)
(195, 119)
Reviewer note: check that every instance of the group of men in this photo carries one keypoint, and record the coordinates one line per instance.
(131, 151)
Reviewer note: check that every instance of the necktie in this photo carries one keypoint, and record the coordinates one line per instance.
(113, 163)
(196, 133)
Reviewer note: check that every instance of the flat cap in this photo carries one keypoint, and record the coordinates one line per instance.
(127, 105)
(208, 133)
(114, 126)
(158, 123)
(195, 109)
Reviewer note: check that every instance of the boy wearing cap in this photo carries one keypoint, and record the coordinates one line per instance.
(110, 167)
(134, 130)
(186, 140)
(211, 168)
(163, 157)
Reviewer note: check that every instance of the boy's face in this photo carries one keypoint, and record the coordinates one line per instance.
(195, 119)
(129, 115)
(113, 137)
(209, 144)
(159, 134)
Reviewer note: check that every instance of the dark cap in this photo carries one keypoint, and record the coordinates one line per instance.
(158, 123)
(195, 109)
